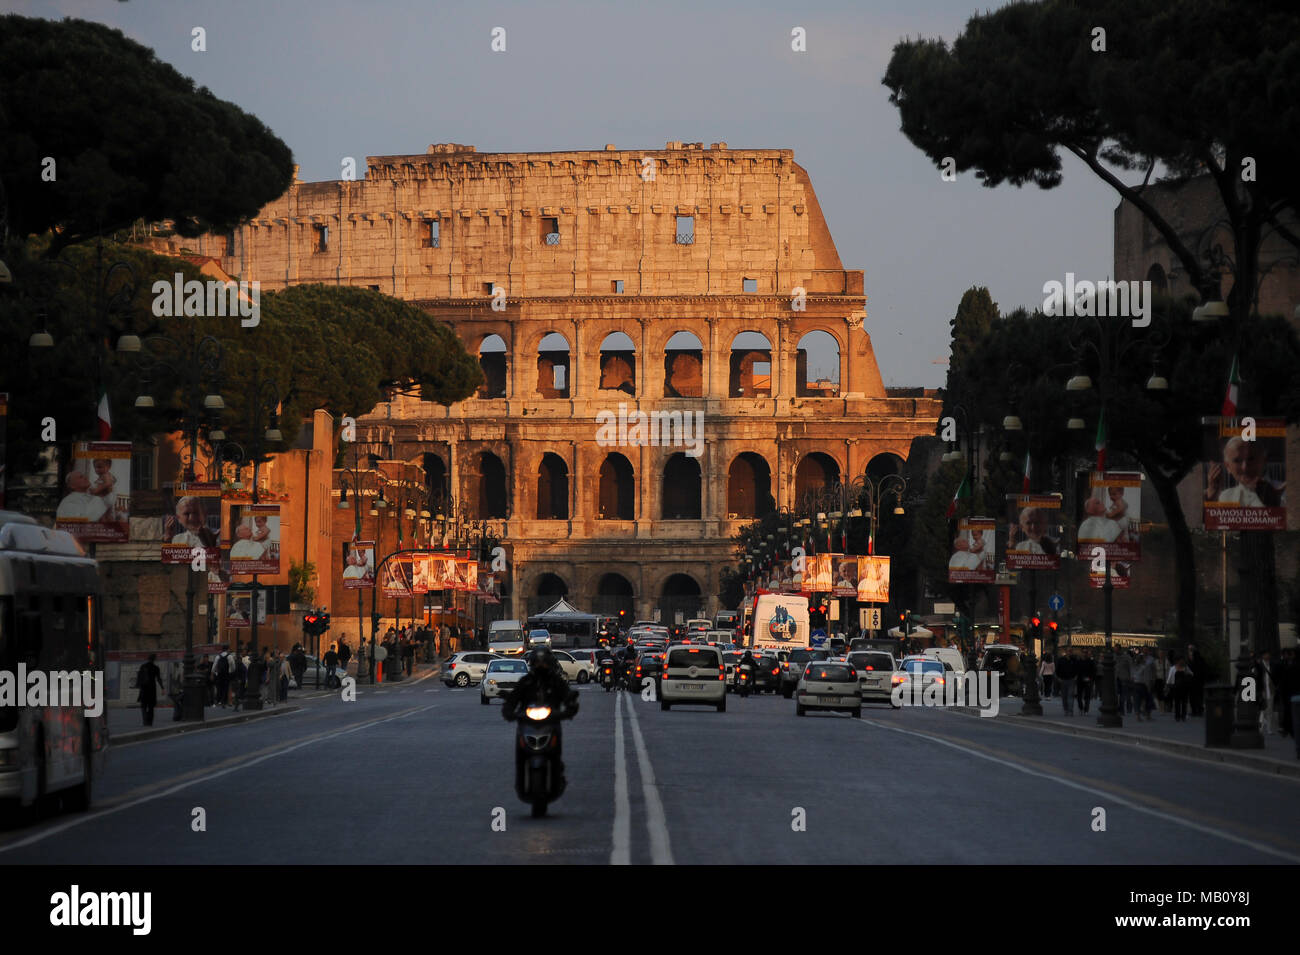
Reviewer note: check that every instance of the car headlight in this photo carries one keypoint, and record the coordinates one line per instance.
(537, 712)
(492, 682)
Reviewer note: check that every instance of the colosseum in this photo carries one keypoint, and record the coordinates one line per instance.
(698, 286)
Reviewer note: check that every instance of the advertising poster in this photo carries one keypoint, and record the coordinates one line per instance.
(489, 589)
(466, 574)
(421, 568)
(395, 578)
(1110, 515)
(873, 580)
(254, 539)
(219, 574)
(358, 565)
(1244, 475)
(1034, 531)
(442, 573)
(789, 585)
(820, 566)
(974, 552)
(239, 604)
(846, 575)
(192, 519)
(1121, 577)
(96, 504)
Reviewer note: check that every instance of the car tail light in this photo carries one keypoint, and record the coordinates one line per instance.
(870, 668)
(899, 678)
(939, 680)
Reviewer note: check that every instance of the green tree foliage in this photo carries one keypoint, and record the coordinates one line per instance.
(131, 138)
(339, 348)
(975, 316)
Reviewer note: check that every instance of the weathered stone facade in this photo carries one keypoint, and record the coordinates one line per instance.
(582, 245)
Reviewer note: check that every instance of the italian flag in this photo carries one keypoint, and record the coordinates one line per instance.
(1234, 387)
(1101, 441)
(963, 491)
(105, 422)
(1024, 487)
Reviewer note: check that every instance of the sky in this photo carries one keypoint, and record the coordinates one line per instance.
(383, 77)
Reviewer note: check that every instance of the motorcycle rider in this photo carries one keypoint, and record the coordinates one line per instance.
(607, 660)
(747, 661)
(544, 685)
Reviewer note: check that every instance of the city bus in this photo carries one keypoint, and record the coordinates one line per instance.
(50, 605)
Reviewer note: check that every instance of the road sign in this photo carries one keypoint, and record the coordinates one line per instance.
(869, 618)
(1055, 602)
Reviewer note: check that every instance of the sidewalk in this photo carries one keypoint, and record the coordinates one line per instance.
(1162, 733)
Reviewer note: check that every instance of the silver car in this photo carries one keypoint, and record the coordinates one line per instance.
(876, 670)
(467, 667)
(501, 677)
(828, 685)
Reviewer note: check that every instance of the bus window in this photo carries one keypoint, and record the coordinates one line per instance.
(28, 633)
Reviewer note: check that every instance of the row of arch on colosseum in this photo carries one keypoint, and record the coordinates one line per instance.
(569, 479)
(601, 589)
(652, 359)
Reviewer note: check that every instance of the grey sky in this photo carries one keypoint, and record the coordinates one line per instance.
(336, 79)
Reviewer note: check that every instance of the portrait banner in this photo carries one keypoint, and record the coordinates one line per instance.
(1244, 475)
(442, 572)
(821, 567)
(254, 539)
(219, 574)
(421, 569)
(193, 520)
(846, 575)
(466, 575)
(974, 552)
(1121, 577)
(873, 580)
(96, 506)
(1034, 531)
(358, 565)
(1110, 515)
(395, 579)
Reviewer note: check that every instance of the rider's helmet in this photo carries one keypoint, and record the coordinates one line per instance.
(543, 661)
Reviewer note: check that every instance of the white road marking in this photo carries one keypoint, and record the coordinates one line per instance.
(622, 852)
(661, 852)
(1099, 793)
(88, 817)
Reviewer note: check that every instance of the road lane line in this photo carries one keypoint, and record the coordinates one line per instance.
(239, 762)
(661, 852)
(1060, 776)
(622, 852)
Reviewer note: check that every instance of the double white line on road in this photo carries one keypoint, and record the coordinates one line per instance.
(661, 852)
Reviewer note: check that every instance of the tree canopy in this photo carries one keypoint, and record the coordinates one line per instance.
(131, 138)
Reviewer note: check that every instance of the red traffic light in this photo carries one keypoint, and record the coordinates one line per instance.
(1035, 621)
(1052, 626)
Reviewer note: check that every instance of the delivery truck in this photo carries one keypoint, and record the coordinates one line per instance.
(780, 622)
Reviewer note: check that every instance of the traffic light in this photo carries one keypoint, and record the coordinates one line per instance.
(323, 623)
(374, 623)
(309, 622)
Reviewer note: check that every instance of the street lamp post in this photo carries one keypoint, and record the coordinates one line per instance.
(357, 474)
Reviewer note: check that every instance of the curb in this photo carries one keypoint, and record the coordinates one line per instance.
(139, 736)
(1265, 764)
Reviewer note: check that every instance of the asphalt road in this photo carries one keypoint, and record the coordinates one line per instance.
(417, 774)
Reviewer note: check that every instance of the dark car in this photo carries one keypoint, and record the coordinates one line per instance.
(792, 668)
(768, 674)
(652, 665)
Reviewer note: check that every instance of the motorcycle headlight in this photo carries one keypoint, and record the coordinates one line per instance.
(537, 712)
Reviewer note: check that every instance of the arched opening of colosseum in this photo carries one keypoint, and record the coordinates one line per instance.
(681, 594)
(492, 359)
(751, 366)
(492, 495)
(816, 472)
(617, 500)
(549, 589)
(614, 593)
(618, 364)
(817, 365)
(683, 367)
(681, 488)
(553, 366)
(749, 487)
(552, 488)
(884, 464)
(435, 482)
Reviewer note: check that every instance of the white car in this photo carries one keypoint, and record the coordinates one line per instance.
(693, 674)
(500, 677)
(949, 655)
(575, 670)
(876, 670)
(828, 685)
(466, 668)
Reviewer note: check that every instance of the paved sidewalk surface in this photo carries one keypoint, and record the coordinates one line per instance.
(125, 726)
(1163, 732)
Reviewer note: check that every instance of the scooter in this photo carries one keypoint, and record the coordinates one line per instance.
(607, 676)
(539, 772)
(744, 679)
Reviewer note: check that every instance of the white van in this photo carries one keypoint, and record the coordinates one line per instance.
(780, 622)
(949, 655)
(506, 637)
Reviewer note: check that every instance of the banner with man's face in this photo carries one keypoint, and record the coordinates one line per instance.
(219, 574)
(974, 552)
(1110, 515)
(1244, 474)
(358, 565)
(466, 574)
(254, 539)
(873, 580)
(822, 570)
(96, 505)
(1034, 532)
(421, 568)
(192, 519)
(845, 583)
(395, 579)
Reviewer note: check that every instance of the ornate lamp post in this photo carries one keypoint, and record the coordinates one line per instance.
(358, 476)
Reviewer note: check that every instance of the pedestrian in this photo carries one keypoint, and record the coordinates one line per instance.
(345, 654)
(286, 674)
(1200, 674)
(1066, 669)
(1161, 690)
(1124, 680)
(241, 680)
(444, 638)
(1047, 671)
(204, 670)
(408, 656)
(1144, 676)
(298, 662)
(148, 680)
(1266, 692)
(331, 661)
(1085, 677)
(1180, 678)
(222, 671)
(266, 690)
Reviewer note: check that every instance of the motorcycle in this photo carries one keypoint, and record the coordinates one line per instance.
(539, 774)
(607, 676)
(744, 678)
